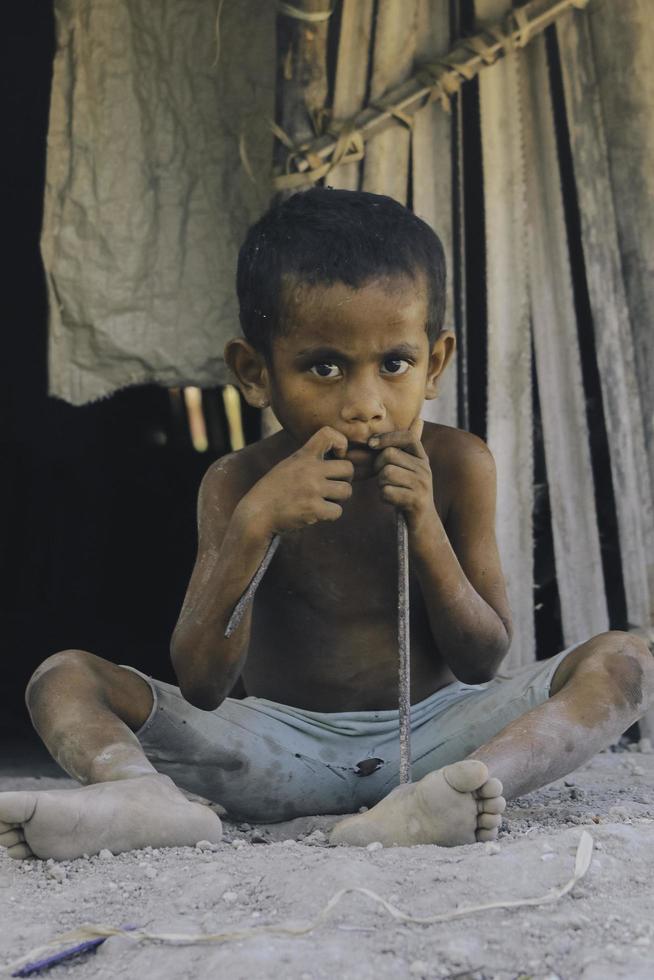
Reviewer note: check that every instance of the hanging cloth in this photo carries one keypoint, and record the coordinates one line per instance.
(146, 198)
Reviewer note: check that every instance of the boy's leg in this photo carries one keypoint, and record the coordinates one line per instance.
(599, 690)
(86, 711)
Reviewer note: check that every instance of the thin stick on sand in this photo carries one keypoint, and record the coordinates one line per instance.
(248, 595)
(404, 648)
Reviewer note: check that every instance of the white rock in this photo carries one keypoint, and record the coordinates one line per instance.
(418, 968)
(230, 897)
(316, 837)
(105, 854)
(490, 847)
(375, 845)
(207, 845)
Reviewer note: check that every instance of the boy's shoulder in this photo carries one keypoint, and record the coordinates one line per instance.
(461, 463)
(240, 470)
(453, 448)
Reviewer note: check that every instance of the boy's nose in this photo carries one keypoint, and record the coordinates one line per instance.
(363, 406)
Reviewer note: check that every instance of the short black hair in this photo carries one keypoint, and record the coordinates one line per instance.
(323, 236)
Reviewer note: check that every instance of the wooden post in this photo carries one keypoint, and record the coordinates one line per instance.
(613, 335)
(301, 74)
(558, 365)
(431, 155)
(351, 78)
(509, 413)
(386, 164)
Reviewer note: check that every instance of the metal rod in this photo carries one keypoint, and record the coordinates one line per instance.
(248, 595)
(404, 648)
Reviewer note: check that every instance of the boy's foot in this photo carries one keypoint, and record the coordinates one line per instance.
(120, 815)
(458, 804)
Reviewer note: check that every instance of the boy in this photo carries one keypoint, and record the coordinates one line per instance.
(341, 296)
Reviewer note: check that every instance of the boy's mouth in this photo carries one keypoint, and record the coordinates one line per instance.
(359, 452)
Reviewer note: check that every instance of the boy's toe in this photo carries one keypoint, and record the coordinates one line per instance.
(484, 835)
(466, 776)
(497, 804)
(489, 821)
(19, 852)
(11, 837)
(492, 787)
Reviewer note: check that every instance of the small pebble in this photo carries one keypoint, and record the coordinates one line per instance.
(375, 845)
(418, 968)
(230, 897)
(207, 845)
(315, 837)
(549, 856)
(105, 854)
(239, 842)
(490, 847)
(56, 873)
(362, 809)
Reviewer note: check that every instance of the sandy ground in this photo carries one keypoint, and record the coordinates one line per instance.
(285, 874)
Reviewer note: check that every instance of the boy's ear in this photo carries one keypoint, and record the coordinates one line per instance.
(250, 370)
(441, 354)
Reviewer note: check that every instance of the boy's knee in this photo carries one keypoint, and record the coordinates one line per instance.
(51, 670)
(628, 664)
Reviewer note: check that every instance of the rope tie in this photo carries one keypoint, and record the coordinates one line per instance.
(317, 17)
(405, 118)
(349, 148)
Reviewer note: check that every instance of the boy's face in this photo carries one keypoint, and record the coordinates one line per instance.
(358, 360)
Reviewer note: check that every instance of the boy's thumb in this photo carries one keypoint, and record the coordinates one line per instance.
(416, 428)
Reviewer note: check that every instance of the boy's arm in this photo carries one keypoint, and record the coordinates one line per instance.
(459, 568)
(238, 514)
(231, 544)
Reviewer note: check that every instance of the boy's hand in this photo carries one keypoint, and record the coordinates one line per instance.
(403, 472)
(305, 488)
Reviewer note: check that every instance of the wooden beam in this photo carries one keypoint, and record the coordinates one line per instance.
(613, 336)
(431, 156)
(301, 75)
(351, 78)
(386, 164)
(509, 407)
(558, 365)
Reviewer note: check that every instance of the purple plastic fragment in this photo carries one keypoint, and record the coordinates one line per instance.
(88, 946)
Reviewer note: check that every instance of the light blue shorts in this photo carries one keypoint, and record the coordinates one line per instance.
(267, 762)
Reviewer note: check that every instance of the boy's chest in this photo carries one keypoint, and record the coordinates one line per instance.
(350, 565)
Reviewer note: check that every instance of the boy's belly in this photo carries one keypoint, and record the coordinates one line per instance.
(348, 664)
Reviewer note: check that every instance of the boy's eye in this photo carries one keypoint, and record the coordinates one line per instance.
(325, 369)
(395, 365)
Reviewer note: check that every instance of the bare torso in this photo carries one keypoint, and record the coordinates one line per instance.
(324, 628)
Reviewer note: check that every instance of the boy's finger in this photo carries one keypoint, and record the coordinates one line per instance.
(403, 439)
(416, 428)
(338, 469)
(327, 440)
